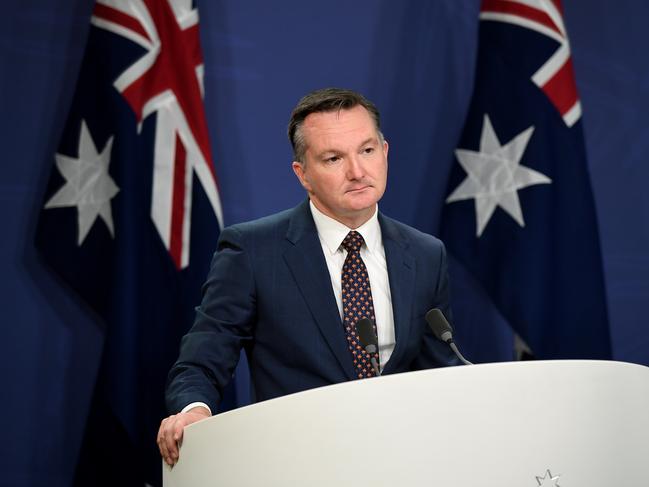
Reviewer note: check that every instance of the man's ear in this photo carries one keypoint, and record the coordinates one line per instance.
(300, 172)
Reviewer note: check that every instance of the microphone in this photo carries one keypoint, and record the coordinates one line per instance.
(369, 341)
(443, 331)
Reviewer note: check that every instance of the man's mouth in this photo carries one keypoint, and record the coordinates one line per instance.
(360, 188)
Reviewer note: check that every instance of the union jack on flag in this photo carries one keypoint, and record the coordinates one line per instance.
(519, 214)
(555, 76)
(131, 215)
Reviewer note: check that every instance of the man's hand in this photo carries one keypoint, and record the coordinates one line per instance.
(170, 434)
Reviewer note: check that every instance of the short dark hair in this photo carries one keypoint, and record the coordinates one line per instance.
(325, 100)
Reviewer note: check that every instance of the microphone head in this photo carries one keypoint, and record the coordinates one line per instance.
(437, 322)
(366, 335)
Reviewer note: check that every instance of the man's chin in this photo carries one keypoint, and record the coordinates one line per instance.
(360, 205)
(363, 198)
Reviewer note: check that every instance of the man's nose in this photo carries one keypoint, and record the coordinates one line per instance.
(354, 168)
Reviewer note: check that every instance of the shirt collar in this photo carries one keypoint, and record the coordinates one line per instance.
(332, 232)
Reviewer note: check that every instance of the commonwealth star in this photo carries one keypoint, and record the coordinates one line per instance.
(88, 184)
(494, 176)
(548, 480)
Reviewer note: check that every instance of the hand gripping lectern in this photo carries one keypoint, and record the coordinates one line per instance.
(526, 424)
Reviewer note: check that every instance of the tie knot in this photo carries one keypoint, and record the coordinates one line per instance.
(353, 241)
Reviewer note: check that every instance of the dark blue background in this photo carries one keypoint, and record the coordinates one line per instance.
(414, 59)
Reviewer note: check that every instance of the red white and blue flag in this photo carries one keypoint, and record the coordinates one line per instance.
(519, 214)
(131, 216)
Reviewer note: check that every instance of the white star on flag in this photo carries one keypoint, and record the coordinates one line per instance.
(88, 185)
(494, 176)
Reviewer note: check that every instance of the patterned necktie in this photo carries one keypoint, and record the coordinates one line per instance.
(357, 302)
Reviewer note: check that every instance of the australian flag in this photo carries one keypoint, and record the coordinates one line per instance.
(519, 214)
(130, 218)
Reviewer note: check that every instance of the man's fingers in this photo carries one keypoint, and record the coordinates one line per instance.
(166, 442)
(170, 434)
(172, 441)
(179, 426)
(169, 450)
(164, 451)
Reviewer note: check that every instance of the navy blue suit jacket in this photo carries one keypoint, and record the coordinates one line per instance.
(269, 291)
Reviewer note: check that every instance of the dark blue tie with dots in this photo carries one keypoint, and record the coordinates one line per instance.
(357, 302)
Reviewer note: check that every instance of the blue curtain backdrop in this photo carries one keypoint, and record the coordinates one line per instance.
(414, 59)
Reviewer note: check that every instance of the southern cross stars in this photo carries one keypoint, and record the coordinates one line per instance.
(494, 176)
(88, 185)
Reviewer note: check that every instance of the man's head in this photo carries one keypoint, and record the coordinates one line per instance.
(326, 100)
(340, 154)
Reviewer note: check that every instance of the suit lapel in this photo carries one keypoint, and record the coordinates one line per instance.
(401, 272)
(309, 268)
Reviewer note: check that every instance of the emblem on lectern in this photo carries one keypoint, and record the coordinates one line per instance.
(548, 480)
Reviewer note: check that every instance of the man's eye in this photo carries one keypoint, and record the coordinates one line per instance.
(368, 150)
(332, 159)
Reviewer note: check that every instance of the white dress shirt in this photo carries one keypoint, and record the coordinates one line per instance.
(332, 233)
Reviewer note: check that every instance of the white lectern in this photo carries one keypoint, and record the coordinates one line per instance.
(527, 424)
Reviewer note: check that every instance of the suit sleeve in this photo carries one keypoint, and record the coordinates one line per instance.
(222, 327)
(434, 353)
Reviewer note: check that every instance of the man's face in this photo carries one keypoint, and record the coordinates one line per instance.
(346, 165)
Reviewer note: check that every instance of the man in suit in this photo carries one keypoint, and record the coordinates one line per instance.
(290, 288)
